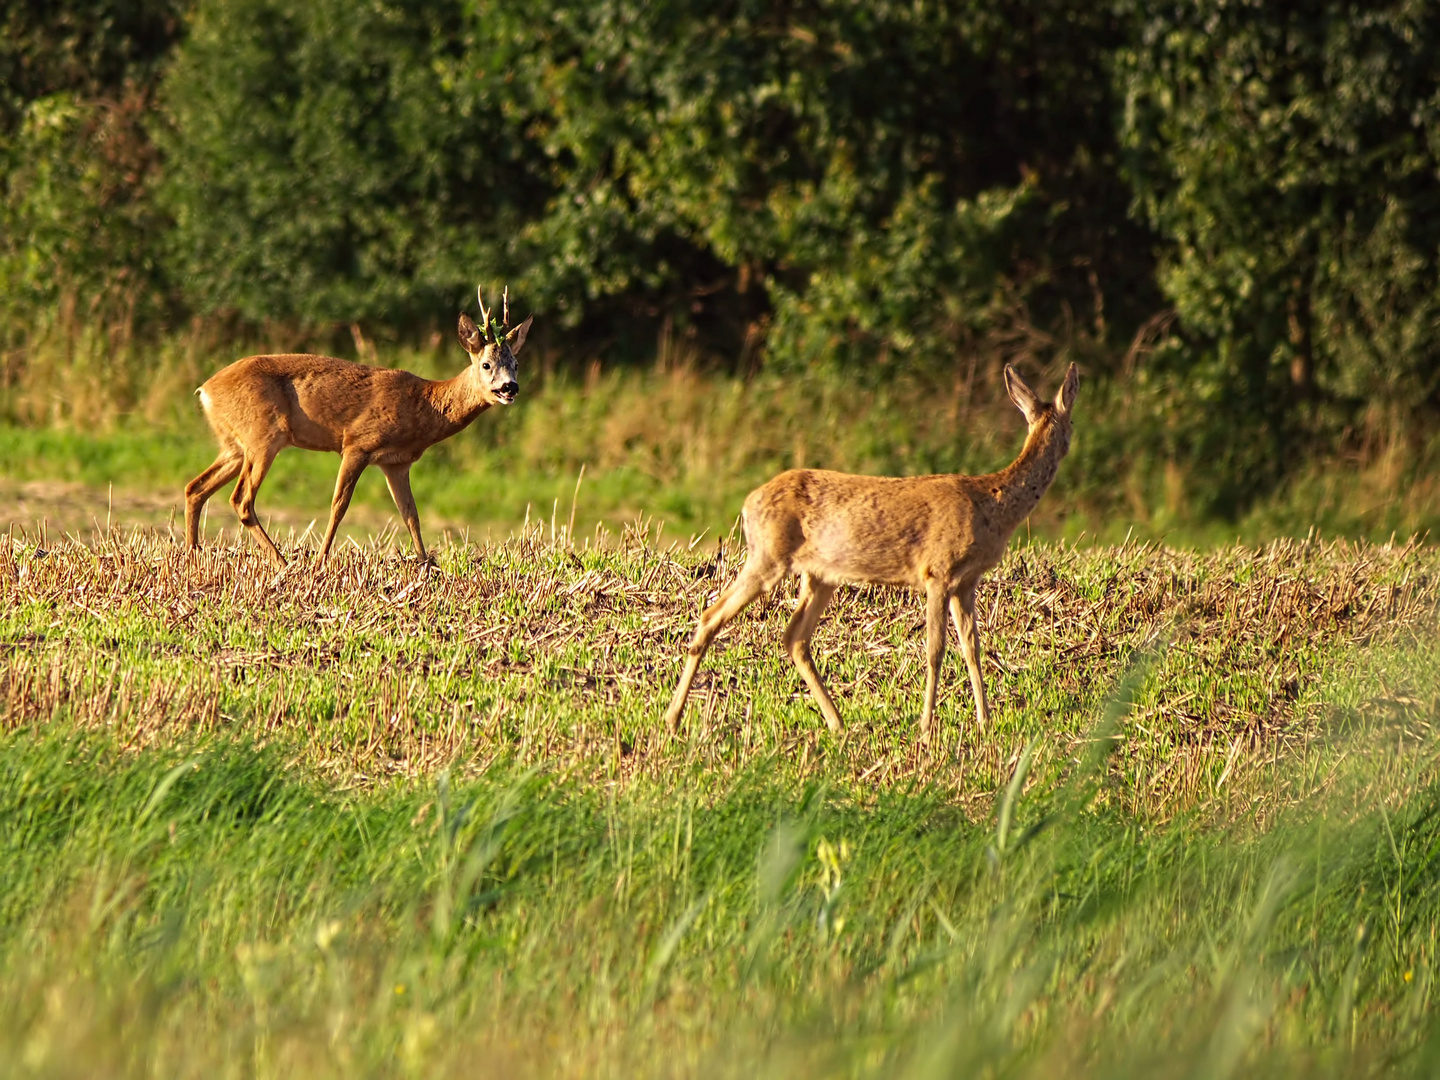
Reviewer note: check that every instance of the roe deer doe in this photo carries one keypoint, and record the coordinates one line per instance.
(367, 415)
(936, 534)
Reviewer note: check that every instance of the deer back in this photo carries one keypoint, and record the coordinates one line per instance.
(325, 403)
(844, 528)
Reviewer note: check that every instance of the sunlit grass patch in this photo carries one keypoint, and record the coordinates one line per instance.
(538, 651)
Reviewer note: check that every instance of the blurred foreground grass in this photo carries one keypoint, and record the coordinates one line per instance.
(368, 821)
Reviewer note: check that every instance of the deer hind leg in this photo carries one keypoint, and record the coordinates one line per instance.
(398, 479)
(252, 475)
(962, 610)
(753, 580)
(935, 597)
(814, 596)
(224, 469)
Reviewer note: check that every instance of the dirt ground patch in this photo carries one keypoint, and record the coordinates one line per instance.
(58, 507)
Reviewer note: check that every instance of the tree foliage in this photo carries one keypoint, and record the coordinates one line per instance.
(1288, 155)
(329, 161)
(811, 181)
(77, 165)
(879, 176)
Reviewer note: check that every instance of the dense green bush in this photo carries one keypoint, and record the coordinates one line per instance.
(1288, 155)
(1246, 192)
(77, 165)
(886, 176)
(333, 162)
(883, 176)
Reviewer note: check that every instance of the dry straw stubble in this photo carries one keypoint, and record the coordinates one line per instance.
(1257, 664)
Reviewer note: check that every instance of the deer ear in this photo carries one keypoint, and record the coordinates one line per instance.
(470, 337)
(1025, 399)
(516, 337)
(1065, 396)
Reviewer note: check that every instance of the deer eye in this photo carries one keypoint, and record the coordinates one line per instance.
(486, 365)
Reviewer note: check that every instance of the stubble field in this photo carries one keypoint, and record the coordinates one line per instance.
(371, 820)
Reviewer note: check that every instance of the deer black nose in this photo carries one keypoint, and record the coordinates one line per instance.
(510, 389)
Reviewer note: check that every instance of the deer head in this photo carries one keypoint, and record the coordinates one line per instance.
(1038, 411)
(493, 346)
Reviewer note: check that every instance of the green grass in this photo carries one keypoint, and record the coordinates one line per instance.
(363, 821)
(208, 911)
(676, 446)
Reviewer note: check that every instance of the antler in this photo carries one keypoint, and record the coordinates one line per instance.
(505, 304)
(484, 314)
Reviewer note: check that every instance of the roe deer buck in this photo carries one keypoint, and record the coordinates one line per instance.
(936, 534)
(367, 415)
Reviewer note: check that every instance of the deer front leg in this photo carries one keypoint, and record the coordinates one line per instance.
(935, 597)
(962, 610)
(397, 477)
(750, 584)
(351, 466)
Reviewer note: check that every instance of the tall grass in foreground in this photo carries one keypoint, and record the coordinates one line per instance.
(206, 910)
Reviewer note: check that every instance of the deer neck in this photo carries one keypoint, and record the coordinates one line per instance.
(1018, 487)
(457, 400)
